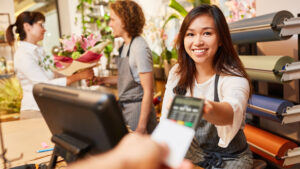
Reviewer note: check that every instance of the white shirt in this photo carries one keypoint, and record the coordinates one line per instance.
(231, 89)
(28, 71)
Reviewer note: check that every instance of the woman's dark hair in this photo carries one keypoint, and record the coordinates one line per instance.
(24, 17)
(225, 61)
(131, 15)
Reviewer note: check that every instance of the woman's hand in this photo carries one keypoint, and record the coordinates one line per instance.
(95, 81)
(208, 107)
(84, 74)
(102, 80)
(218, 113)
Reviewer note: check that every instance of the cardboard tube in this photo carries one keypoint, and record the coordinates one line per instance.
(265, 68)
(267, 145)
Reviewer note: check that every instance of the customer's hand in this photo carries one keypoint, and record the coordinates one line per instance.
(135, 151)
(140, 151)
(85, 74)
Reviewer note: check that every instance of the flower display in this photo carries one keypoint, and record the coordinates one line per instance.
(78, 52)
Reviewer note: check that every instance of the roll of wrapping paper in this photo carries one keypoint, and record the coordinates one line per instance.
(267, 107)
(265, 68)
(267, 145)
(259, 29)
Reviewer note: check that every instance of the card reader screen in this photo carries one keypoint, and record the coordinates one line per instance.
(186, 111)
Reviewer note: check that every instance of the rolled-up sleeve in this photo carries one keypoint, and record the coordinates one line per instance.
(235, 91)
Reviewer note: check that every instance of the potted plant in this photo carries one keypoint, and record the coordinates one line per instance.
(2, 36)
(10, 95)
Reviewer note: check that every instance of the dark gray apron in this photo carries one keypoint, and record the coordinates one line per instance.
(206, 153)
(131, 94)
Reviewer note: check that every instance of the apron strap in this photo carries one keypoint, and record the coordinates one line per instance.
(128, 52)
(121, 48)
(216, 95)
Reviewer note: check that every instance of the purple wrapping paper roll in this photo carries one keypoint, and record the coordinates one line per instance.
(276, 105)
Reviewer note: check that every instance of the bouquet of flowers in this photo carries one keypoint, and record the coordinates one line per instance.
(79, 52)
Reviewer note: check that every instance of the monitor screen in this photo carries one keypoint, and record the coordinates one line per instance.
(90, 116)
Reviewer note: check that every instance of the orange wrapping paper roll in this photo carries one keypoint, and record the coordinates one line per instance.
(260, 140)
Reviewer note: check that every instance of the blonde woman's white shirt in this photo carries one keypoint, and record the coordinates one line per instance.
(28, 71)
(231, 89)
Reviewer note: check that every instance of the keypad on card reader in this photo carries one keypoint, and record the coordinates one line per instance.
(186, 111)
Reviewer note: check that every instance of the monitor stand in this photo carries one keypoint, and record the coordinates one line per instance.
(68, 147)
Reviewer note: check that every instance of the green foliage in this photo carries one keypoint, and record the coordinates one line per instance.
(166, 55)
(75, 55)
(172, 16)
(101, 22)
(156, 58)
(199, 2)
(10, 95)
(46, 63)
(174, 54)
(108, 49)
(86, 19)
(179, 8)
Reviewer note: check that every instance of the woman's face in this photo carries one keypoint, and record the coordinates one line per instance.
(116, 24)
(201, 40)
(36, 31)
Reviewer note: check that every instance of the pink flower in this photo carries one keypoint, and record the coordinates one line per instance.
(89, 42)
(175, 40)
(93, 40)
(84, 43)
(69, 44)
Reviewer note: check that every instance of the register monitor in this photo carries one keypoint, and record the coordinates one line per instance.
(81, 121)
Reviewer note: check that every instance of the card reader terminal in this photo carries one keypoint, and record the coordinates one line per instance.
(186, 111)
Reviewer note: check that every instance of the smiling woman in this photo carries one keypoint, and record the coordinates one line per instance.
(201, 42)
(209, 68)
